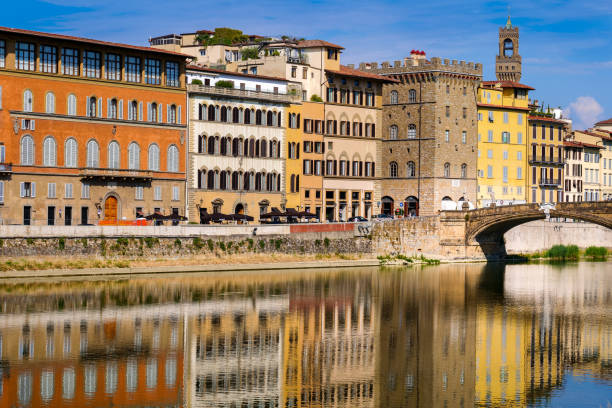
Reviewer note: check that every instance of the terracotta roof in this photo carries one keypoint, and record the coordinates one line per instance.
(317, 43)
(545, 119)
(90, 41)
(344, 70)
(572, 143)
(506, 84)
(240, 74)
(484, 105)
(594, 134)
(604, 122)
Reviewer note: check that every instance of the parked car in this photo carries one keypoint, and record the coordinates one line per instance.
(357, 218)
(383, 217)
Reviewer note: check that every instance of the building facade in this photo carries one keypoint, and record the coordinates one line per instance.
(508, 63)
(597, 177)
(428, 152)
(502, 133)
(572, 180)
(237, 141)
(94, 131)
(546, 158)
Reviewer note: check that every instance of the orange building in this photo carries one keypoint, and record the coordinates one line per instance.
(94, 132)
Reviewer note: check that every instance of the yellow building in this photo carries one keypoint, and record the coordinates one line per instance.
(502, 146)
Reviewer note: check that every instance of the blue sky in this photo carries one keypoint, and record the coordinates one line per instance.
(566, 45)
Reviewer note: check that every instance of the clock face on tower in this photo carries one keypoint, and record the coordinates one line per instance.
(508, 48)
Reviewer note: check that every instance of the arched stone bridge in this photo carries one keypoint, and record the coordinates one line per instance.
(476, 234)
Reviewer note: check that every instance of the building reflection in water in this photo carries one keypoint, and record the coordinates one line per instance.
(447, 336)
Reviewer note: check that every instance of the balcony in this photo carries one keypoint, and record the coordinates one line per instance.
(548, 182)
(545, 160)
(89, 173)
(6, 168)
(243, 93)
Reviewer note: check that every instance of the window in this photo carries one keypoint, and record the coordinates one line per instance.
(171, 114)
(175, 193)
(93, 154)
(51, 190)
(133, 156)
(173, 159)
(27, 101)
(2, 54)
(293, 72)
(154, 157)
(464, 170)
(505, 173)
(84, 190)
(113, 67)
(92, 107)
(157, 193)
(50, 102)
(412, 131)
(505, 155)
(393, 132)
(393, 97)
(446, 169)
(91, 64)
(411, 171)
(70, 153)
(49, 152)
(25, 58)
(72, 105)
(506, 117)
(172, 74)
(519, 155)
(448, 111)
(519, 138)
(133, 110)
(392, 169)
(446, 135)
(479, 116)
(70, 61)
(489, 171)
(505, 137)
(113, 155)
(27, 150)
(464, 113)
(447, 89)
(519, 173)
(132, 69)
(48, 59)
(489, 154)
(464, 137)
(152, 71)
(112, 109)
(139, 193)
(490, 136)
(412, 98)
(491, 117)
(519, 118)
(152, 112)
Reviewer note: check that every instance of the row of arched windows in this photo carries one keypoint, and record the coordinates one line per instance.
(239, 146)
(114, 108)
(394, 97)
(229, 180)
(394, 132)
(92, 160)
(411, 170)
(248, 116)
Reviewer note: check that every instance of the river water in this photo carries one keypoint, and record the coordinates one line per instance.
(434, 336)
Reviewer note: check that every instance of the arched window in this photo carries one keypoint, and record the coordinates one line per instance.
(153, 112)
(269, 118)
(412, 131)
(70, 153)
(235, 115)
(223, 180)
(393, 132)
(412, 96)
(72, 105)
(112, 109)
(134, 156)
(173, 159)
(27, 101)
(393, 97)
(113, 155)
(258, 116)
(410, 170)
(50, 102)
(49, 152)
(508, 48)
(446, 169)
(247, 116)
(154, 157)
(201, 143)
(210, 180)
(93, 154)
(172, 114)
(292, 184)
(27, 150)
(211, 113)
(463, 170)
(211, 145)
(133, 110)
(393, 169)
(92, 107)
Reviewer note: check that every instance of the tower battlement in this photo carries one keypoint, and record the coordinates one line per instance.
(413, 64)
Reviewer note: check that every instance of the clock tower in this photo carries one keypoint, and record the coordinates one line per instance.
(508, 61)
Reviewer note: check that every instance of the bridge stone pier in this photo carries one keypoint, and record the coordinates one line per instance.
(475, 234)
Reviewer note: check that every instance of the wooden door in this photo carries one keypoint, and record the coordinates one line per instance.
(110, 209)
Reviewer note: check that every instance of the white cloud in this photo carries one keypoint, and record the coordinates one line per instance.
(584, 111)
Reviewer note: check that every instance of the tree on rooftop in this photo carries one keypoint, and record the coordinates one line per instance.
(223, 36)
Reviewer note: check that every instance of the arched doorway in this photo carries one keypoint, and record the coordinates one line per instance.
(239, 209)
(411, 206)
(387, 205)
(448, 204)
(110, 208)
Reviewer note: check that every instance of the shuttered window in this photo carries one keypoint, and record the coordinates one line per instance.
(113, 155)
(27, 101)
(93, 154)
(134, 156)
(50, 102)
(72, 105)
(154, 157)
(27, 150)
(68, 190)
(49, 152)
(70, 153)
(51, 190)
(173, 159)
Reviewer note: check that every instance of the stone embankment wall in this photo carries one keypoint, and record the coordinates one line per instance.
(164, 247)
(541, 235)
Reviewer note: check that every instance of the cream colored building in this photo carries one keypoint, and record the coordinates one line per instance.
(597, 162)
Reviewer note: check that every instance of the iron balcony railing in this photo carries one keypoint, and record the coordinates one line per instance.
(97, 173)
(545, 160)
(243, 93)
(550, 182)
(6, 168)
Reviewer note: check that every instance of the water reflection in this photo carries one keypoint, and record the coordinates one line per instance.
(447, 336)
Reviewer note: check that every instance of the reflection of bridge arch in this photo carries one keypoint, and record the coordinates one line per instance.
(490, 224)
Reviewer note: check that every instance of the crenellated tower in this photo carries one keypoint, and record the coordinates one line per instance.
(508, 61)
